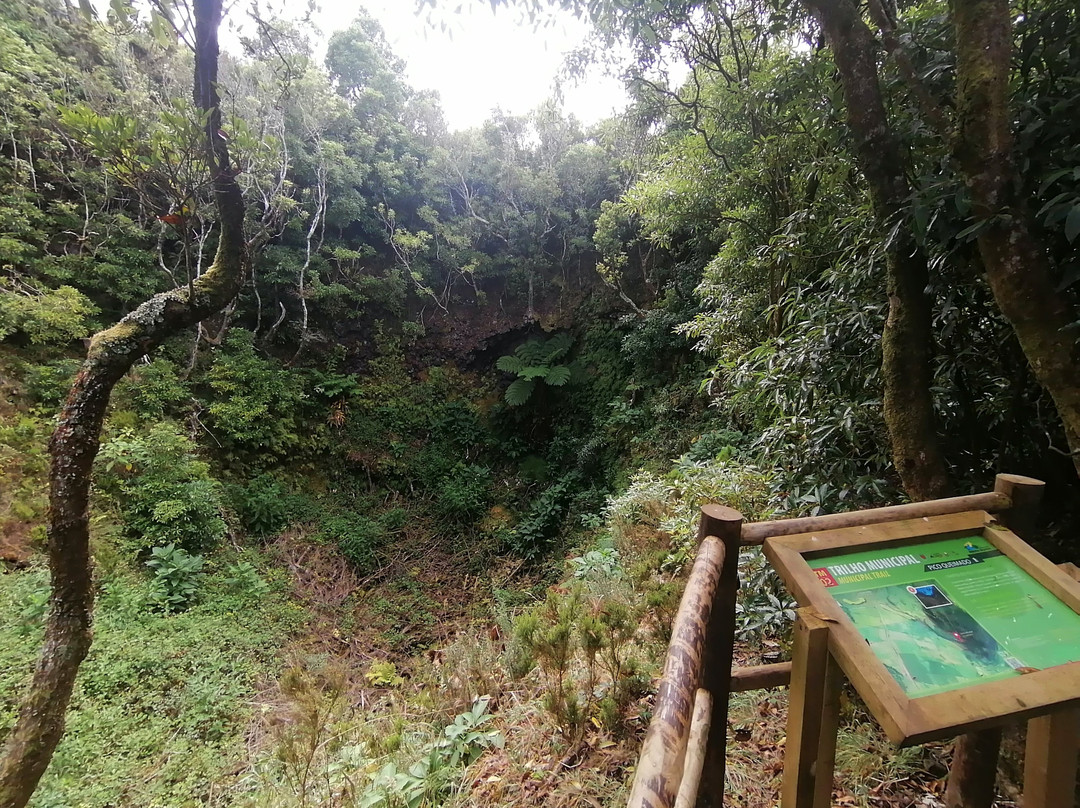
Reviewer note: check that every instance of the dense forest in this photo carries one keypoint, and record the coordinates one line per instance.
(403, 430)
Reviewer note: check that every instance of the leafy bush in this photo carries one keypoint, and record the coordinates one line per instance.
(600, 563)
(357, 537)
(165, 494)
(600, 632)
(533, 534)
(177, 576)
(257, 403)
(465, 494)
(261, 504)
(54, 316)
(48, 383)
(153, 390)
(244, 580)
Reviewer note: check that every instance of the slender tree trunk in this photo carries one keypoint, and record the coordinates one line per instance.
(74, 444)
(1015, 261)
(905, 343)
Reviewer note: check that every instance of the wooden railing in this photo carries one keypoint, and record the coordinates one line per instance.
(682, 762)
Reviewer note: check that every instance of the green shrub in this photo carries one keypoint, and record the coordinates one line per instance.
(257, 403)
(394, 519)
(49, 382)
(164, 493)
(177, 576)
(465, 494)
(356, 536)
(532, 536)
(153, 390)
(51, 316)
(261, 504)
(244, 580)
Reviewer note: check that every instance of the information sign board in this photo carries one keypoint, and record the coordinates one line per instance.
(950, 613)
(944, 624)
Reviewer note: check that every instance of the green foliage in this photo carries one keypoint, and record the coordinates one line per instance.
(428, 780)
(382, 673)
(177, 577)
(535, 361)
(172, 696)
(165, 495)
(465, 493)
(48, 383)
(45, 317)
(574, 628)
(262, 505)
(257, 406)
(357, 537)
(153, 390)
(533, 535)
(243, 579)
(599, 563)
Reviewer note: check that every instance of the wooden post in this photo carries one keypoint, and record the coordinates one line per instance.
(726, 525)
(975, 755)
(1026, 494)
(813, 714)
(1053, 742)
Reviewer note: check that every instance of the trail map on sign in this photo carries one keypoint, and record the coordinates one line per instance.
(950, 613)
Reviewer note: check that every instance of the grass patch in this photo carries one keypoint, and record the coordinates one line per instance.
(163, 702)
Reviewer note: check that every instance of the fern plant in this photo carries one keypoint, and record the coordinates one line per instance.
(536, 361)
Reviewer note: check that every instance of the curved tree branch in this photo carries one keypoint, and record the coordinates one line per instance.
(74, 444)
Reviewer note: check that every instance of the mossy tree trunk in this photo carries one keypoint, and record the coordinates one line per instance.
(1019, 273)
(1016, 263)
(906, 340)
(40, 724)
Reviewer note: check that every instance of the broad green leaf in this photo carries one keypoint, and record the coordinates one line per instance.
(558, 346)
(1072, 224)
(519, 391)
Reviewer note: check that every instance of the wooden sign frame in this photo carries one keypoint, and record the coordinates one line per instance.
(906, 720)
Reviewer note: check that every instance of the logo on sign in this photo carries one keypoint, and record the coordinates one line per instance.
(824, 577)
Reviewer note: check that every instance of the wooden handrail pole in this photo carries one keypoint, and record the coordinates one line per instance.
(760, 677)
(695, 750)
(726, 525)
(992, 502)
(975, 754)
(663, 753)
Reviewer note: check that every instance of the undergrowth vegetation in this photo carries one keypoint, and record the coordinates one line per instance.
(407, 524)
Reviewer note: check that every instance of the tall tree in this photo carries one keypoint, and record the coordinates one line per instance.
(74, 444)
(906, 341)
(1013, 255)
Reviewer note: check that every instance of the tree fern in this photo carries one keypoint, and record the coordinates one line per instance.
(533, 361)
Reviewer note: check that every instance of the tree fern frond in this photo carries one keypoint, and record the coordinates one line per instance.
(510, 364)
(519, 391)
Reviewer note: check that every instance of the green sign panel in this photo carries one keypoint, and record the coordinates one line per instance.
(950, 613)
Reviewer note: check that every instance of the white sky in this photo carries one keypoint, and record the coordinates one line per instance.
(486, 60)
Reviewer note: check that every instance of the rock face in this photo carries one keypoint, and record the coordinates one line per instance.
(473, 333)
